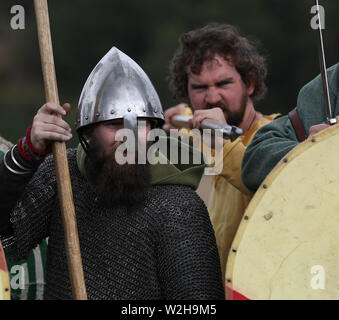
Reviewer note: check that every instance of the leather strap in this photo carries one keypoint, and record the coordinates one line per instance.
(297, 125)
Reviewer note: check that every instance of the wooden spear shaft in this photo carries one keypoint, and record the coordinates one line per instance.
(60, 157)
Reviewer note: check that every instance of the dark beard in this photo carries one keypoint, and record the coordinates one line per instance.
(235, 118)
(114, 183)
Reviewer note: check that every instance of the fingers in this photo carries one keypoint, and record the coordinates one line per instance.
(198, 117)
(67, 107)
(214, 114)
(48, 125)
(48, 114)
(320, 127)
(51, 107)
(51, 130)
(317, 128)
(171, 112)
(42, 119)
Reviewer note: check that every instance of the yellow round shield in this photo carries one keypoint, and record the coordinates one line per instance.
(4, 278)
(287, 245)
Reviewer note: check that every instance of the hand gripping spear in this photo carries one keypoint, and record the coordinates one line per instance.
(60, 158)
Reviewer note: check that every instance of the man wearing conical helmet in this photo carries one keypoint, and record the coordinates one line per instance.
(143, 231)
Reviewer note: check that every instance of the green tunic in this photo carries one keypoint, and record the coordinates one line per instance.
(273, 141)
(27, 276)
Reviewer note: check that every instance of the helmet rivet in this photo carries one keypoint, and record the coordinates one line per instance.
(97, 114)
(144, 109)
(112, 111)
(155, 110)
(86, 117)
(129, 109)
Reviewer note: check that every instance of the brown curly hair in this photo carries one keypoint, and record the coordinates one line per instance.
(200, 45)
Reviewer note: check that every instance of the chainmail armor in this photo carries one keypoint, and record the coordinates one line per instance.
(162, 249)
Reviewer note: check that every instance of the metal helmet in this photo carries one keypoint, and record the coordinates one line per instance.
(117, 88)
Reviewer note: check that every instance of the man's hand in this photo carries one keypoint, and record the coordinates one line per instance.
(48, 127)
(214, 114)
(320, 127)
(171, 112)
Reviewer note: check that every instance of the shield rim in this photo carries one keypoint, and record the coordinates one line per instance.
(231, 292)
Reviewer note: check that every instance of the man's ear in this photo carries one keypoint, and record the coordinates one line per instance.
(250, 85)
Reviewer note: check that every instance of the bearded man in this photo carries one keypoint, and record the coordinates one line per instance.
(139, 239)
(220, 75)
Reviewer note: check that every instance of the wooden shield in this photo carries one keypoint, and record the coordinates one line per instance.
(287, 245)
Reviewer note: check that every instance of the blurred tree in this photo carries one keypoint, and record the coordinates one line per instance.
(148, 31)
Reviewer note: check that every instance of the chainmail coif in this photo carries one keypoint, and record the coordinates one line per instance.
(163, 248)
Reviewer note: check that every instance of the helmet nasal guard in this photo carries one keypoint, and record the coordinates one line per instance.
(117, 88)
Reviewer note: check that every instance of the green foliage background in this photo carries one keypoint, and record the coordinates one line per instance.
(148, 30)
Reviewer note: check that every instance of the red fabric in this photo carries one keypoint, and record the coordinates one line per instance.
(238, 296)
(3, 266)
(234, 295)
(29, 152)
(29, 142)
